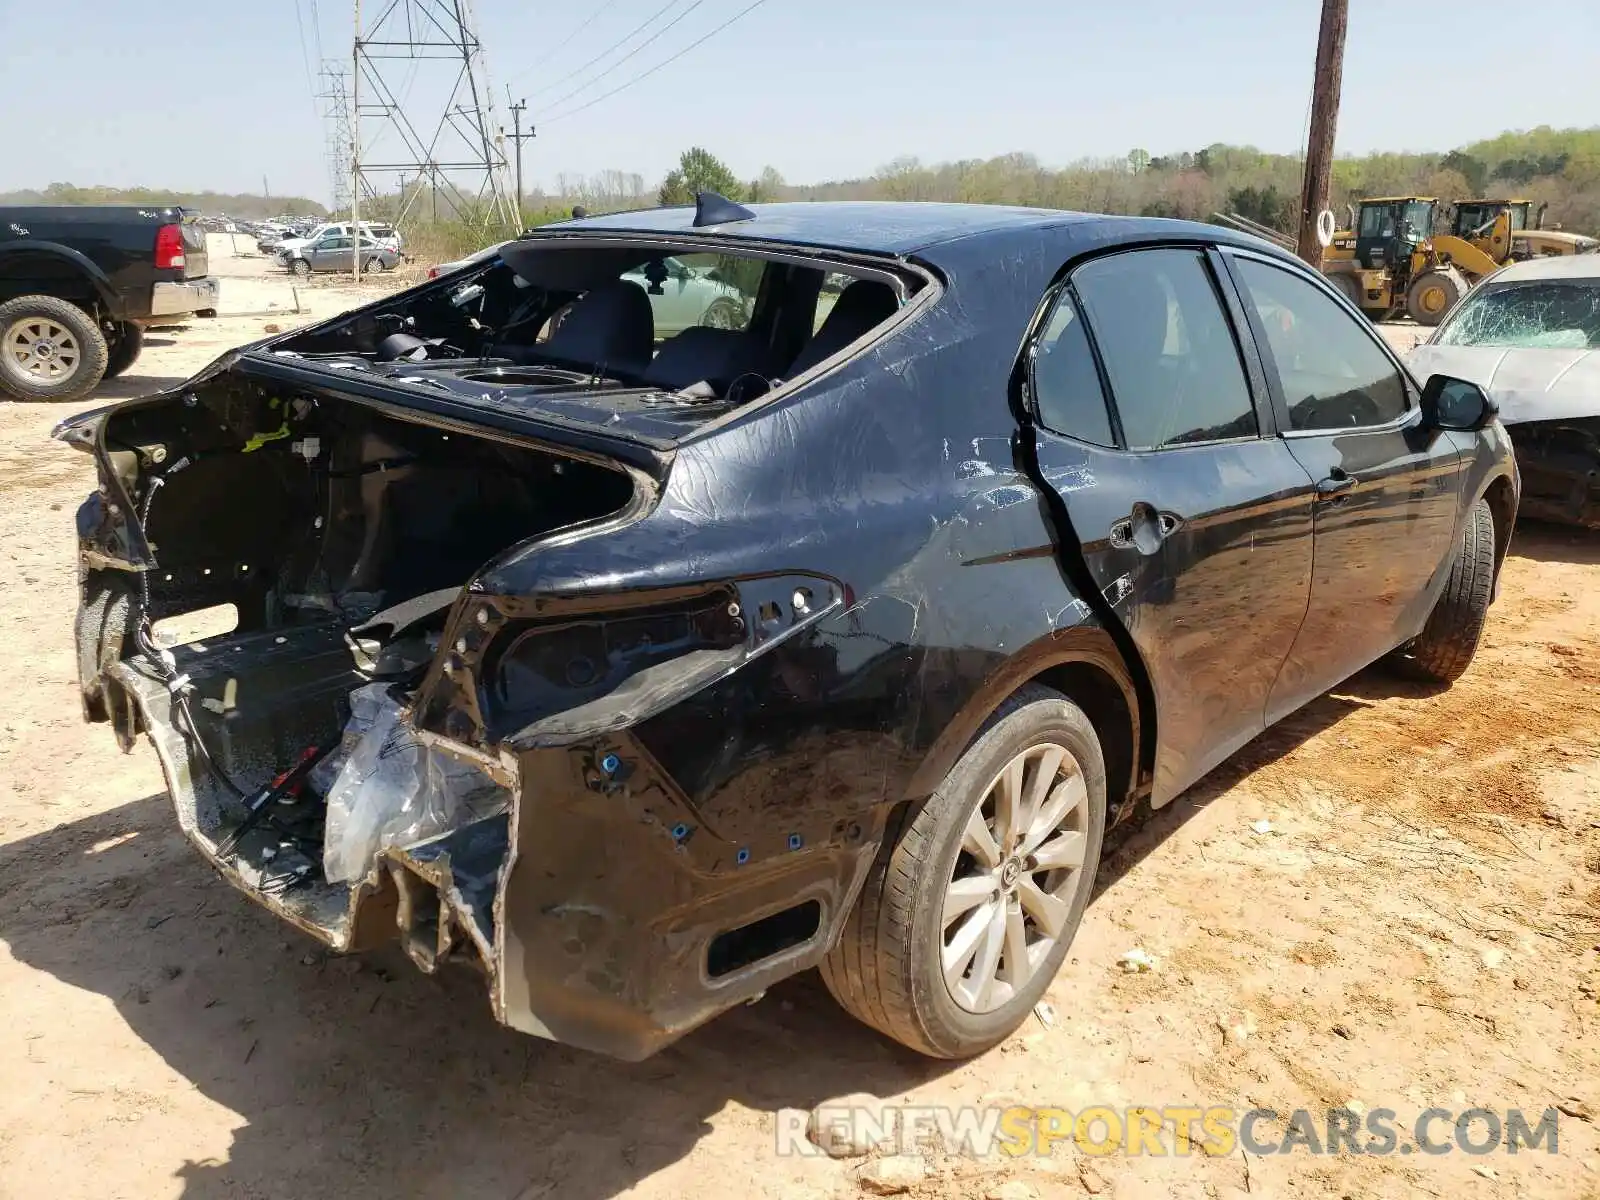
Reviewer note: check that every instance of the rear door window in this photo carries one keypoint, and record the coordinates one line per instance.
(1169, 351)
(1066, 382)
(1333, 373)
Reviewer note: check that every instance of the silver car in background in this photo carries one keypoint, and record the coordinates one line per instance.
(1529, 335)
(337, 252)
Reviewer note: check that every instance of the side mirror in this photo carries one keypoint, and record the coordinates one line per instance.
(1456, 404)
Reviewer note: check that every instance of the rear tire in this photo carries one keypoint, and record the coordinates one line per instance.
(888, 969)
(374, 266)
(124, 351)
(50, 349)
(1443, 650)
(1431, 295)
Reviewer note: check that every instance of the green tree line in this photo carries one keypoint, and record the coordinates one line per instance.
(1560, 168)
(245, 204)
(1557, 167)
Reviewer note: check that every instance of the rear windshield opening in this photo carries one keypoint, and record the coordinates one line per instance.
(711, 324)
(680, 320)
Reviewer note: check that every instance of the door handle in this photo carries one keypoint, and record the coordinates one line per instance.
(1144, 529)
(1336, 484)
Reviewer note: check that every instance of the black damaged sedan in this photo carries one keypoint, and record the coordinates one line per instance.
(833, 632)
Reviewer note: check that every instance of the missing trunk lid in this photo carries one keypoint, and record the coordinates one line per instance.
(336, 538)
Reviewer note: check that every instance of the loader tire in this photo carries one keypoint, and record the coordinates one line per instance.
(1431, 295)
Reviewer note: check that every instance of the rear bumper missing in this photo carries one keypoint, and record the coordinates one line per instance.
(601, 910)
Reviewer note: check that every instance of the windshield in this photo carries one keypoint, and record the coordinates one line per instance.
(1529, 315)
(1479, 218)
(1419, 217)
(1470, 216)
(1377, 221)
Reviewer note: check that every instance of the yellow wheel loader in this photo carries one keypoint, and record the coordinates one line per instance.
(1391, 262)
(1513, 239)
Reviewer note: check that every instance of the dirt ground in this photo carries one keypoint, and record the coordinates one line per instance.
(1391, 899)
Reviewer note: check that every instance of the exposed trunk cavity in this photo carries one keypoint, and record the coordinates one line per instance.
(342, 536)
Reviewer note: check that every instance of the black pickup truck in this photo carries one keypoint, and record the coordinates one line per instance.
(78, 283)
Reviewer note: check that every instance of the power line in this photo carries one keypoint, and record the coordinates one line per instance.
(749, 8)
(616, 45)
(316, 30)
(571, 37)
(589, 83)
(305, 58)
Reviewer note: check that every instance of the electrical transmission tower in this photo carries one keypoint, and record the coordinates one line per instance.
(335, 98)
(437, 127)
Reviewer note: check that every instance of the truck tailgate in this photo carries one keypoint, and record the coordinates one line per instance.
(194, 248)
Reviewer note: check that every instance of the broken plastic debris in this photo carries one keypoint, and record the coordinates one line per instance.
(365, 703)
(393, 789)
(1046, 1013)
(1136, 961)
(1262, 826)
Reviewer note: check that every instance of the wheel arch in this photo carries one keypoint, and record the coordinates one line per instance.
(38, 267)
(1502, 498)
(1084, 664)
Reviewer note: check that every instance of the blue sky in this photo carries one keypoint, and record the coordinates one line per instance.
(216, 94)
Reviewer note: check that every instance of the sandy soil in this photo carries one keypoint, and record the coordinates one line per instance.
(1416, 924)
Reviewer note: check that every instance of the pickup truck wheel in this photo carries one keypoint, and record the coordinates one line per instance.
(976, 894)
(300, 267)
(124, 348)
(1444, 648)
(50, 349)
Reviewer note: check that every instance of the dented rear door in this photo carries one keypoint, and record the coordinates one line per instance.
(1192, 522)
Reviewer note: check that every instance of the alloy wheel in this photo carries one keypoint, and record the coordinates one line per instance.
(41, 350)
(1015, 878)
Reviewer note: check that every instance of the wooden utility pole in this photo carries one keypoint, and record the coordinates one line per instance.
(1324, 120)
(518, 137)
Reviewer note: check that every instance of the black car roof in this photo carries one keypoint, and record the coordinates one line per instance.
(882, 227)
(896, 227)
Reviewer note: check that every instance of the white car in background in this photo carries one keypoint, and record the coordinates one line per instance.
(384, 235)
(690, 294)
(1529, 335)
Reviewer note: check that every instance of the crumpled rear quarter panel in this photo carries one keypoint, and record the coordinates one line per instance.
(900, 478)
